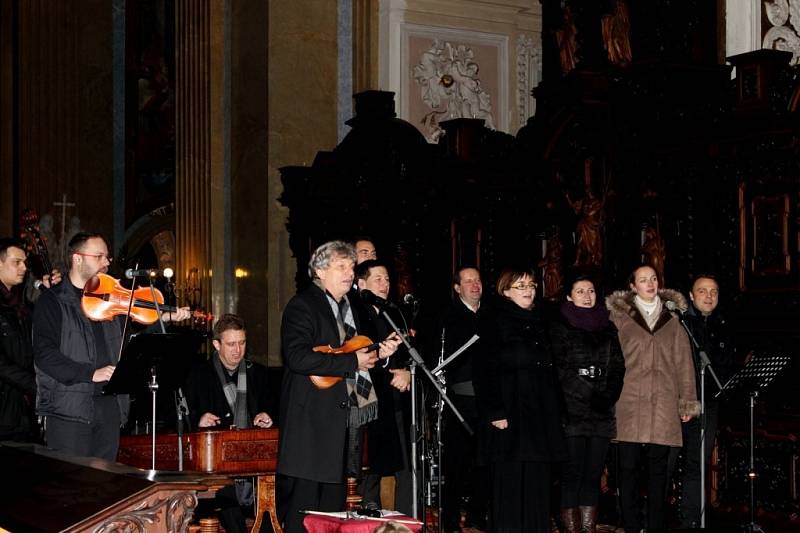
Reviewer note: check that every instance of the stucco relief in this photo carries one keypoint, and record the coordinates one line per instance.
(529, 68)
(450, 86)
(784, 15)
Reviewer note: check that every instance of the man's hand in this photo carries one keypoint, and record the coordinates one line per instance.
(54, 278)
(208, 420)
(389, 345)
(180, 314)
(401, 379)
(103, 374)
(500, 424)
(366, 360)
(262, 420)
(685, 418)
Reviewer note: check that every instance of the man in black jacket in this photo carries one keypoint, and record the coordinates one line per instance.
(314, 421)
(714, 336)
(17, 376)
(388, 438)
(75, 357)
(464, 479)
(229, 390)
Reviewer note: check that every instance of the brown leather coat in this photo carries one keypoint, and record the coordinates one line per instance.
(659, 382)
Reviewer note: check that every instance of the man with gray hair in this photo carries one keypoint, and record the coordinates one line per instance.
(314, 421)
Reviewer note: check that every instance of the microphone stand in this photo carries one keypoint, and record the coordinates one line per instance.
(181, 410)
(419, 362)
(705, 363)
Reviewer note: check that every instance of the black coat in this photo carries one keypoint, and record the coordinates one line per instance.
(515, 380)
(459, 323)
(204, 393)
(714, 335)
(589, 401)
(384, 451)
(17, 375)
(313, 421)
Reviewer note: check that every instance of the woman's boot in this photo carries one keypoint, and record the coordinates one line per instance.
(588, 518)
(569, 518)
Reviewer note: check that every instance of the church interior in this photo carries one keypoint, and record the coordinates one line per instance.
(227, 139)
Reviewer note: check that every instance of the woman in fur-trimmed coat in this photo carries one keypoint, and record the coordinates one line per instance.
(658, 393)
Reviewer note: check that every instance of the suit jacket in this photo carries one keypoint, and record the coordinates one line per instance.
(204, 393)
(313, 421)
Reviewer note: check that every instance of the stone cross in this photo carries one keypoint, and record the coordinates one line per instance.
(63, 204)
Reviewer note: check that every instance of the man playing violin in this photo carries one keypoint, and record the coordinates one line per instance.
(315, 421)
(229, 390)
(75, 357)
(17, 377)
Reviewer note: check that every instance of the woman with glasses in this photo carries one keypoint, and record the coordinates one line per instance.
(517, 394)
(591, 369)
(658, 392)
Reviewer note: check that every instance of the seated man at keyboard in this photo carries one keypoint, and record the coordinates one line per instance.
(228, 391)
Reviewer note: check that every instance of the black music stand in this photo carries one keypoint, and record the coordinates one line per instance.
(153, 359)
(756, 376)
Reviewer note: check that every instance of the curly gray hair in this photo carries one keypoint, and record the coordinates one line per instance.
(324, 254)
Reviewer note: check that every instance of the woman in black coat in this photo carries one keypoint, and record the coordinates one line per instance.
(591, 370)
(517, 395)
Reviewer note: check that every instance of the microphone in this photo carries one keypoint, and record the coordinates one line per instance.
(371, 298)
(141, 273)
(672, 306)
(410, 299)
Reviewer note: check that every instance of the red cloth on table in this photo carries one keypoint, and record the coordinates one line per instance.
(328, 524)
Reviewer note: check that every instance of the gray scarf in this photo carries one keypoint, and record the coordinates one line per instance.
(236, 395)
(360, 392)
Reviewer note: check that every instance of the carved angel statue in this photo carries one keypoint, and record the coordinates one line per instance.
(617, 34)
(449, 84)
(552, 278)
(784, 15)
(654, 251)
(589, 249)
(567, 43)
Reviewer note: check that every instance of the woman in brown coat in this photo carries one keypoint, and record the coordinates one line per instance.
(658, 392)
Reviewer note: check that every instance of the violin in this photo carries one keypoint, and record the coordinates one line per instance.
(104, 298)
(352, 345)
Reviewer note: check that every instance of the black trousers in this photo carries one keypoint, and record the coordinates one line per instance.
(463, 477)
(520, 497)
(690, 490)
(580, 475)
(294, 494)
(100, 438)
(630, 459)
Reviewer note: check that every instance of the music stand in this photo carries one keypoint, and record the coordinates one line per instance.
(756, 376)
(149, 357)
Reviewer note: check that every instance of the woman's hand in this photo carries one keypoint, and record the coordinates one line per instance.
(500, 424)
(685, 418)
(401, 380)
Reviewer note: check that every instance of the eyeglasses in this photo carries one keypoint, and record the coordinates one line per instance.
(97, 256)
(522, 287)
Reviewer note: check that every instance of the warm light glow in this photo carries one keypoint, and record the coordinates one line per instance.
(241, 273)
(168, 273)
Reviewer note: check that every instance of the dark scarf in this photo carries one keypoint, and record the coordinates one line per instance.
(585, 318)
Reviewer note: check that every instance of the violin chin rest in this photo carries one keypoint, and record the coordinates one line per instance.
(92, 285)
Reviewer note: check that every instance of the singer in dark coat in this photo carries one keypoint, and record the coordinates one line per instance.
(517, 393)
(313, 421)
(388, 437)
(591, 369)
